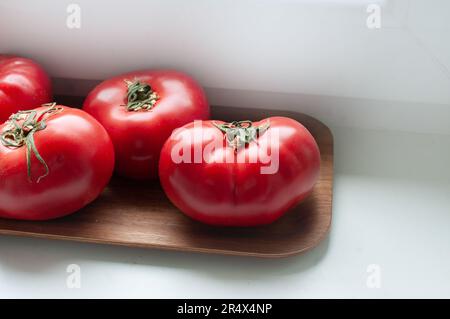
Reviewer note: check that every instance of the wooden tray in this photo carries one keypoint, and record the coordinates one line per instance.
(139, 214)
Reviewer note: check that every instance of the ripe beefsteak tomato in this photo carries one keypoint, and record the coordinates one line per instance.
(54, 160)
(23, 85)
(140, 110)
(241, 173)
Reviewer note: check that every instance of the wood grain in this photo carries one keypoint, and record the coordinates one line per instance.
(139, 214)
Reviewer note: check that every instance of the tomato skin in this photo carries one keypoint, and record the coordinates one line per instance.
(139, 136)
(23, 85)
(237, 194)
(80, 156)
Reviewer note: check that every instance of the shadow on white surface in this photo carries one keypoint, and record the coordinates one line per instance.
(37, 268)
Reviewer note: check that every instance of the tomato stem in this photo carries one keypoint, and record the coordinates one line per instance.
(241, 133)
(140, 96)
(20, 130)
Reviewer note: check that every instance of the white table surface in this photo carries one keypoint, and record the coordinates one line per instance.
(391, 208)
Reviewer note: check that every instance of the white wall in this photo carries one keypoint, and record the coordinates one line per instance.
(314, 56)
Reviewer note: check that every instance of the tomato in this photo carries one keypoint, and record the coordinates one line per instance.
(140, 110)
(54, 160)
(23, 85)
(241, 173)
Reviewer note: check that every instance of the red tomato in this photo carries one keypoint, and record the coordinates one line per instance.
(23, 85)
(240, 173)
(54, 160)
(140, 110)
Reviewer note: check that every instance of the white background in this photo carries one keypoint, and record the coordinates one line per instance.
(384, 92)
(316, 56)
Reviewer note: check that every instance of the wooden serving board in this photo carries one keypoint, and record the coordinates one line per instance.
(131, 213)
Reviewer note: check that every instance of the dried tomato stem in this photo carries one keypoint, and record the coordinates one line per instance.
(20, 130)
(241, 133)
(140, 96)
